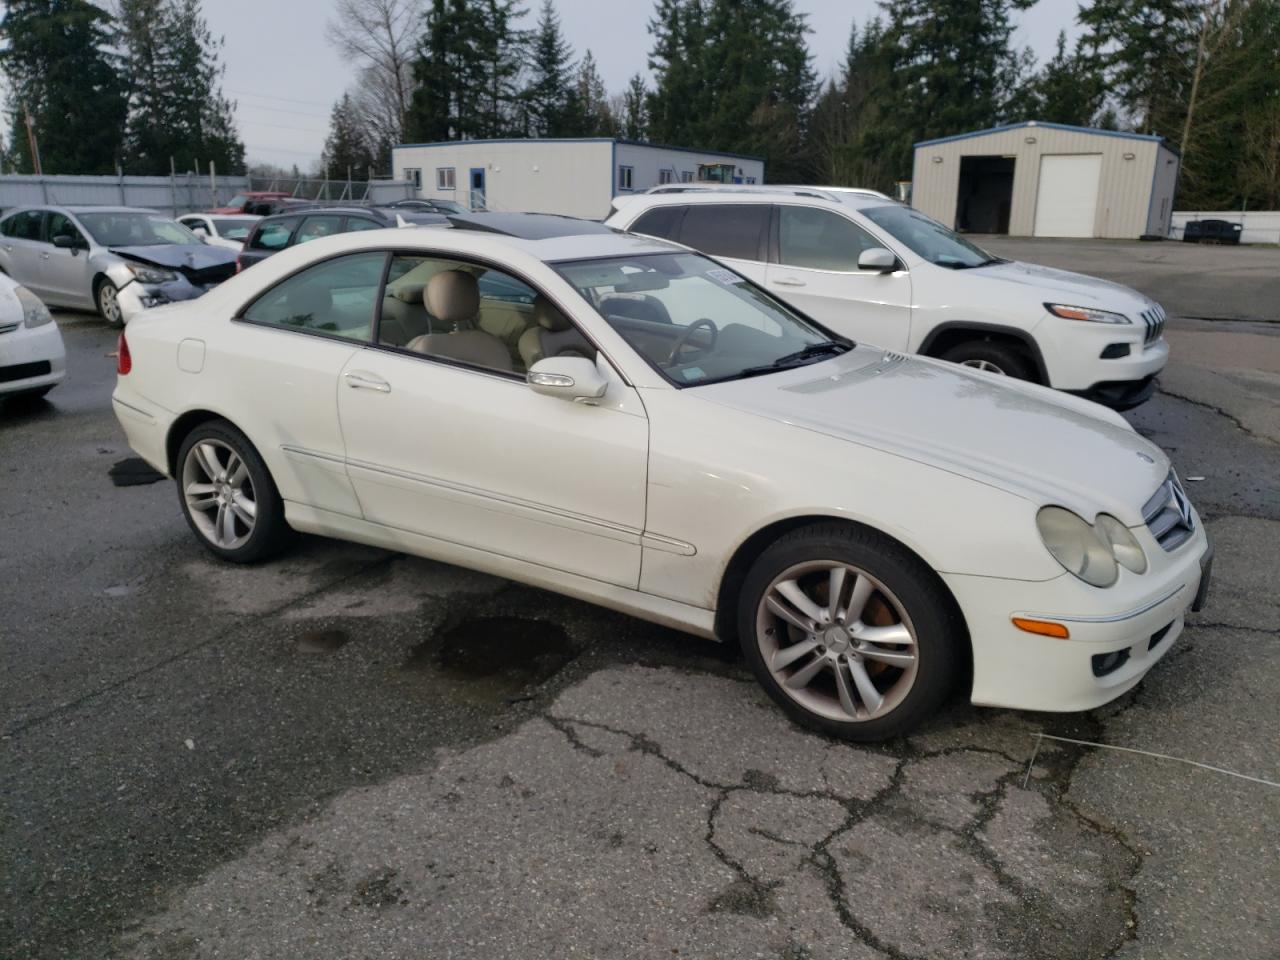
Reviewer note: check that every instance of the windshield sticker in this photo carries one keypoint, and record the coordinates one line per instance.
(724, 276)
(693, 373)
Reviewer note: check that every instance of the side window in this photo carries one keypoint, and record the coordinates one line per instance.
(274, 235)
(726, 230)
(625, 177)
(25, 225)
(59, 224)
(313, 228)
(362, 223)
(467, 313)
(661, 222)
(336, 297)
(820, 240)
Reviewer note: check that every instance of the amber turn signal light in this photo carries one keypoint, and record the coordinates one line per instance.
(1043, 627)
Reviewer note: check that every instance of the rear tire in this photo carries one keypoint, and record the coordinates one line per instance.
(227, 495)
(993, 356)
(873, 664)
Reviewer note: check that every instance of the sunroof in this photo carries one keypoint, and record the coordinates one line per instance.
(528, 226)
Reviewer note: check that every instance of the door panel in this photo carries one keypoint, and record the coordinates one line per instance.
(23, 249)
(818, 274)
(1067, 195)
(480, 459)
(67, 274)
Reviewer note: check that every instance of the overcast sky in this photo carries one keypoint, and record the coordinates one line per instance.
(285, 77)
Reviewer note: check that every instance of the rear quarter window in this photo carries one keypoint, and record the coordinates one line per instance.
(663, 222)
(274, 235)
(726, 230)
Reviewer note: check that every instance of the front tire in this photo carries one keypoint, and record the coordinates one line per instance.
(992, 356)
(849, 632)
(108, 299)
(227, 495)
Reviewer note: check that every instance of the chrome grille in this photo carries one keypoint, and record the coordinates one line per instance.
(1168, 514)
(1153, 317)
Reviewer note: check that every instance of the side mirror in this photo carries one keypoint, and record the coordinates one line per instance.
(64, 241)
(570, 378)
(200, 232)
(877, 258)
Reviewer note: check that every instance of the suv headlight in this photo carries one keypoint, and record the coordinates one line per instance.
(34, 312)
(152, 274)
(1094, 552)
(1091, 314)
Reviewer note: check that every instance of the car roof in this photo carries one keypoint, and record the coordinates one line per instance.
(528, 226)
(851, 199)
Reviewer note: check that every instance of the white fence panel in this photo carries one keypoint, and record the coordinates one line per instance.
(1260, 226)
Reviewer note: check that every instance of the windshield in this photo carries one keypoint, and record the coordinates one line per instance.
(448, 206)
(928, 237)
(135, 229)
(695, 321)
(234, 228)
(239, 200)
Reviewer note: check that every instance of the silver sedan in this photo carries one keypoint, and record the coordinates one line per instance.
(118, 261)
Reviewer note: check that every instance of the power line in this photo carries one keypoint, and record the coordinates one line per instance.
(263, 96)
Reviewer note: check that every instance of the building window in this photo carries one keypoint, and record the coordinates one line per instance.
(444, 178)
(624, 178)
(686, 176)
(414, 176)
(664, 176)
(751, 179)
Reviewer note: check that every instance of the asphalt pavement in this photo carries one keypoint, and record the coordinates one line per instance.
(348, 753)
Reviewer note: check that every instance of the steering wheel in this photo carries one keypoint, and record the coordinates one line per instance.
(683, 340)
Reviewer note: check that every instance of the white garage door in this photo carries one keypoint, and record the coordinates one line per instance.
(1067, 198)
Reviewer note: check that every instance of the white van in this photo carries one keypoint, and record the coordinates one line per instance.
(875, 270)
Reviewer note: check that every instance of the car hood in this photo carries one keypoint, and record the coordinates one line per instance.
(1031, 441)
(178, 256)
(1051, 285)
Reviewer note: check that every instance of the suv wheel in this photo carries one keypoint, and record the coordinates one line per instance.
(992, 356)
(848, 632)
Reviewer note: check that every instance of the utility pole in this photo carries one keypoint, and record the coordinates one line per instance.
(33, 143)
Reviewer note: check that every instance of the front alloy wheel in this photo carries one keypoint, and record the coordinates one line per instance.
(109, 304)
(850, 633)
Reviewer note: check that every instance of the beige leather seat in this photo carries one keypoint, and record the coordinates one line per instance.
(453, 298)
(403, 315)
(553, 336)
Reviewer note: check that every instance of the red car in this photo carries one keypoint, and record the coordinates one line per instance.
(241, 202)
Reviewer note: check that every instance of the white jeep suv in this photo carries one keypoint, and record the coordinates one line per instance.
(878, 271)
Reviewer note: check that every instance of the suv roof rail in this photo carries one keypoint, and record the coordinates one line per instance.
(796, 190)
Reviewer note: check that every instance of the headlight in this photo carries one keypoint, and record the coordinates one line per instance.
(1078, 546)
(1085, 313)
(34, 312)
(1124, 547)
(152, 274)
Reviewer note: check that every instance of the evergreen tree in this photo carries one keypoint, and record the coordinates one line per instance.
(546, 96)
(177, 109)
(681, 94)
(1068, 89)
(588, 110)
(57, 66)
(347, 147)
(634, 117)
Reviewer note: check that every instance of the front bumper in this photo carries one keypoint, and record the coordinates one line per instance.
(1139, 620)
(31, 358)
(136, 297)
(1120, 394)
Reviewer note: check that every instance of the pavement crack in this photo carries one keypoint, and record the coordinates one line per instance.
(1214, 408)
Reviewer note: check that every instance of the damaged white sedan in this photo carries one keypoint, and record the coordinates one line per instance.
(119, 261)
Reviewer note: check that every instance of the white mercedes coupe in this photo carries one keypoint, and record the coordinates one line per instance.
(622, 420)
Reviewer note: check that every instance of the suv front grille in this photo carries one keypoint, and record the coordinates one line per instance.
(1168, 514)
(1154, 319)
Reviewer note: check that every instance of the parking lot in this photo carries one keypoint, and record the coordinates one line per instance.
(350, 753)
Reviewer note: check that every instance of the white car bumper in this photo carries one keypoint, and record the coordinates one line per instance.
(1081, 358)
(1116, 634)
(31, 358)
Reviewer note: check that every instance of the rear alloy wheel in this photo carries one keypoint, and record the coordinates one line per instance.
(992, 356)
(228, 496)
(109, 304)
(848, 632)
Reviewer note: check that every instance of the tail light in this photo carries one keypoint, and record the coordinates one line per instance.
(124, 361)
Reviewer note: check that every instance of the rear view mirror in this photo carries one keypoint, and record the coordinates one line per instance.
(570, 378)
(877, 258)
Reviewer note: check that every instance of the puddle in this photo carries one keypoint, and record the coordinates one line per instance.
(132, 472)
(493, 658)
(321, 641)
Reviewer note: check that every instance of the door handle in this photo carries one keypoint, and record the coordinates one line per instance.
(366, 381)
(788, 282)
(44, 256)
